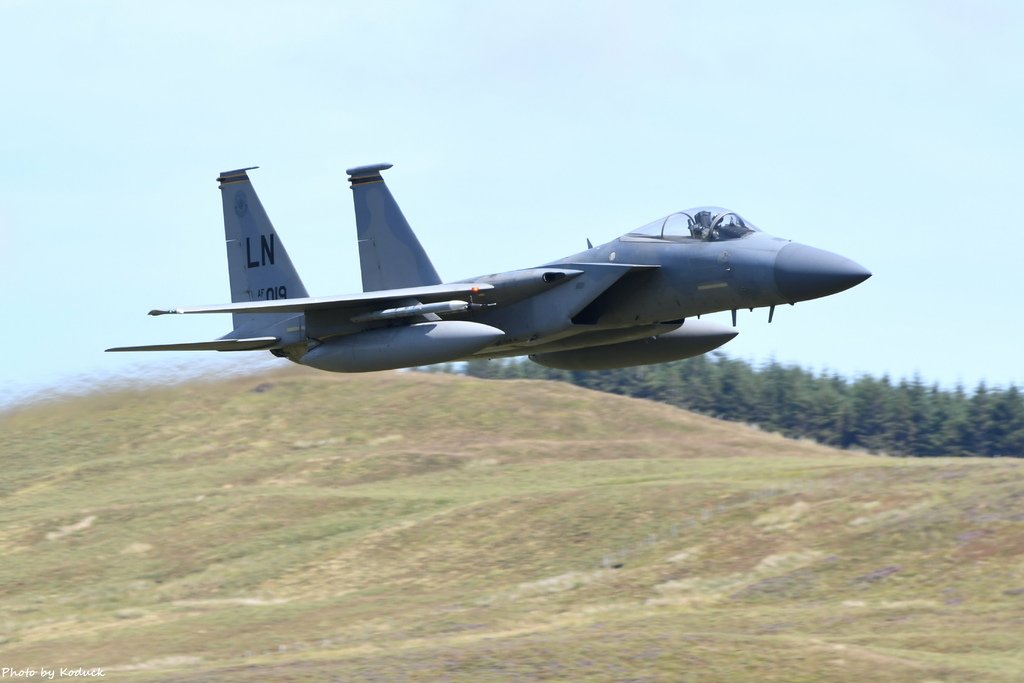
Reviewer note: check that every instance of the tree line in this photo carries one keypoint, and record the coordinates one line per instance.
(906, 417)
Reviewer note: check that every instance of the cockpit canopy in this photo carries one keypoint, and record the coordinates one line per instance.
(704, 223)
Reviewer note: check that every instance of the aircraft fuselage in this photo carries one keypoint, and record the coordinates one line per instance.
(631, 301)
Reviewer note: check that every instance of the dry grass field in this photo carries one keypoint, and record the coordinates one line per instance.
(406, 526)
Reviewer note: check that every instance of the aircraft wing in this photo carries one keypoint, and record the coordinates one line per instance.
(250, 344)
(334, 315)
(427, 294)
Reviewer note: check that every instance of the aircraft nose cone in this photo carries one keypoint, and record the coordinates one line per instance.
(803, 272)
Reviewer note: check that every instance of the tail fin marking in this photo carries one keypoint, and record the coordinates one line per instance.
(259, 267)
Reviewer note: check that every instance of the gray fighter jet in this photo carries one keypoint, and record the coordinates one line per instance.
(633, 301)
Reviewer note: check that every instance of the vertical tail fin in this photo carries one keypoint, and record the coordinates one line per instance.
(390, 256)
(258, 264)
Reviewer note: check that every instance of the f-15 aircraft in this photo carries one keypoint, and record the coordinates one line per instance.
(633, 301)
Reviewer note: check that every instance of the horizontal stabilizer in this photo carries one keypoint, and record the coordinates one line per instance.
(251, 344)
(428, 294)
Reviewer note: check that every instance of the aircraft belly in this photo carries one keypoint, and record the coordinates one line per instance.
(404, 346)
(576, 337)
(688, 340)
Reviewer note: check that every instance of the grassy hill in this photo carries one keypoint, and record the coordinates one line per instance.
(405, 526)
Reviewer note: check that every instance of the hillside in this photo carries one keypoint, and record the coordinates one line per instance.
(405, 526)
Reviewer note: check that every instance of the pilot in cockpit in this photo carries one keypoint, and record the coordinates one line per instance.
(700, 225)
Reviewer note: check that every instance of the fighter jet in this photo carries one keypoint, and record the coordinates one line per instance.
(633, 301)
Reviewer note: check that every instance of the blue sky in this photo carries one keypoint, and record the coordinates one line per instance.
(887, 132)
